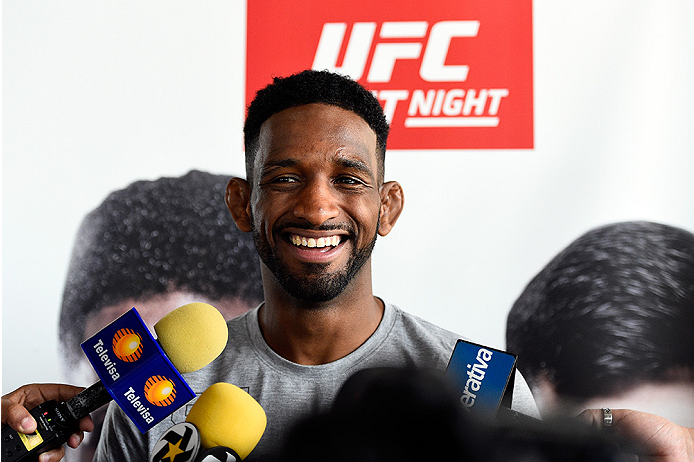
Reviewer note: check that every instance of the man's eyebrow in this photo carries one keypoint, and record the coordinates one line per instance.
(344, 162)
(354, 164)
(274, 164)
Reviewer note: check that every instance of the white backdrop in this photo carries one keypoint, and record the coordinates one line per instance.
(99, 94)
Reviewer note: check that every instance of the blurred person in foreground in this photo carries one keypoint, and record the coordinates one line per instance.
(405, 414)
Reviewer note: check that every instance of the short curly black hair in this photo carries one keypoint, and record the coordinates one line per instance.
(308, 87)
(611, 311)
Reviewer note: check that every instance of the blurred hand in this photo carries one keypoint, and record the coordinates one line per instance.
(656, 438)
(15, 412)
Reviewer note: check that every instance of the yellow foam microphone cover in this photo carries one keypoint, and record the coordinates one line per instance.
(192, 335)
(227, 416)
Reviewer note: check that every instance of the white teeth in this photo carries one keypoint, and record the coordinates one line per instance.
(311, 242)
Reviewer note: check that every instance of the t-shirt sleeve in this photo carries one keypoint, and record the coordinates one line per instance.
(120, 439)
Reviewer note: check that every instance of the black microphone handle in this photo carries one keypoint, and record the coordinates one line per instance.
(89, 400)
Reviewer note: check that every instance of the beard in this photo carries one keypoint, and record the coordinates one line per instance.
(315, 283)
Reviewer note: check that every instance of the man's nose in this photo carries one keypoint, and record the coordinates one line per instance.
(317, 203)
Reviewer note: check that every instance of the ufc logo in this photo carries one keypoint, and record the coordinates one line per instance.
(432, 69)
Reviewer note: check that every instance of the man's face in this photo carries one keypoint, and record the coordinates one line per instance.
(315, 199)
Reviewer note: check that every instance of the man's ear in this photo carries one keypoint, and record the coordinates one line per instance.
(238, 200)
(392, 202)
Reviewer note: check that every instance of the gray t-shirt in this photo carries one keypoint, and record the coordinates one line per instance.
(289, 392)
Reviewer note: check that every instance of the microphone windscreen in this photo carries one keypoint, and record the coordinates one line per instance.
(228, 416)
(192, 335)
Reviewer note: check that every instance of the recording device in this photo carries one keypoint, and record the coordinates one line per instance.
(134, 371)
(229, 422)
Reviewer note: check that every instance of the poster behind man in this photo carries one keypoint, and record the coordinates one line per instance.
(450, 75)
(96, 96)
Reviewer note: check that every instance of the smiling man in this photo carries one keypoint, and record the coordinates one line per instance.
(315, 200)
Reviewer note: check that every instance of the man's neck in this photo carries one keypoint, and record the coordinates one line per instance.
(312, 333)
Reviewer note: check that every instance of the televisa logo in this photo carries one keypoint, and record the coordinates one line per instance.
(449, 75)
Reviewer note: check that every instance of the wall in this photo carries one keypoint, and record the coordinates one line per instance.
(97, 95)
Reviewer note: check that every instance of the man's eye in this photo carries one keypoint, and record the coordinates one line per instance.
(284, 179)
(279, 181)
(348, 180)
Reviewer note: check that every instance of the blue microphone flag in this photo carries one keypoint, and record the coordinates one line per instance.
(481, 375)
(136, 371)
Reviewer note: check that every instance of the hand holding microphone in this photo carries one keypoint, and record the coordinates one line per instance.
(192, 336)
(16, 415)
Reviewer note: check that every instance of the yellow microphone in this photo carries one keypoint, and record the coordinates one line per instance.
(227, 416)
(192, 336)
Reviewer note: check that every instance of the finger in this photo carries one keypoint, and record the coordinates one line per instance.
(34, 394)
(593, 417)
(64, 392)
(17, 417)
(75, 439)
(86, 424)
(48, 391)
(54, 455)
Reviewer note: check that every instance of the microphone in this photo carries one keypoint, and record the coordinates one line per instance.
(192, 335)
(224, 424)
(180, 443)
(129, 367)
(218, 454)
(230, 422)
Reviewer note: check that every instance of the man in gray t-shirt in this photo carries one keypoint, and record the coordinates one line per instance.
(288, 391)
(314, 199)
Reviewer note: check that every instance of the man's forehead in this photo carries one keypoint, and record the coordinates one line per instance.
(326, 114)
(296, 131)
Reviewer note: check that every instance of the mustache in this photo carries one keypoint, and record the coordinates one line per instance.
(341, 226)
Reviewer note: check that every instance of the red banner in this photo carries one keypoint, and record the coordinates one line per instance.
(450, 75)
